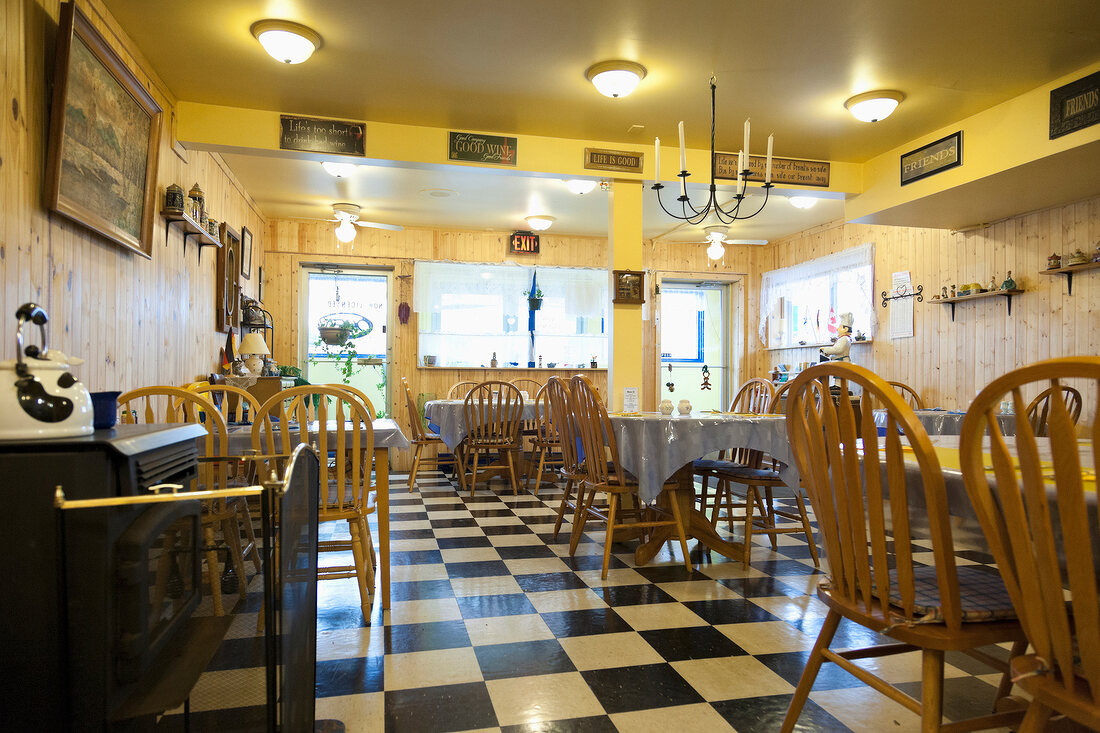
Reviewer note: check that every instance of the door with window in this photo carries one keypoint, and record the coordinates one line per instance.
(346, 329)
(694, 344)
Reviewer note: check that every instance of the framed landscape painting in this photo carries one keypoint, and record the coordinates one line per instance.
(104, 137)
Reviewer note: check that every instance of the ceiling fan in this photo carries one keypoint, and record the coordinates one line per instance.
(716, 238)
(347, 218)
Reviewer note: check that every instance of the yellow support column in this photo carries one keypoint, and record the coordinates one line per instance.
(625, 243)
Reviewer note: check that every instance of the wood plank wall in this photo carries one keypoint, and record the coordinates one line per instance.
(135, 321)
(948, 362)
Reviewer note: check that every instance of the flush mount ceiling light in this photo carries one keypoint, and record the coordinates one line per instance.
(580, 186)
(339, 170)
(438, 193)
(803, 202)
(615, 78)
(874, 106)
(539, 222)
(285, 40)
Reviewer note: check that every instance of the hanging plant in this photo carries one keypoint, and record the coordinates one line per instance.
(534, 300)
(345, 354)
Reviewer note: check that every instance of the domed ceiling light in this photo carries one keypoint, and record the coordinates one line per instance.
(339, 170)
(874, 106)
(803, 202)
(615, 78)
(580, 186)
(539, 222)
(716, 235)
(285, 40)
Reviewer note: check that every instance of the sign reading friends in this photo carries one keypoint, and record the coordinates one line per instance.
(613, 160)
(523, 243)
(784, 170)
(933, 158)
(475, 148)
(315, 135)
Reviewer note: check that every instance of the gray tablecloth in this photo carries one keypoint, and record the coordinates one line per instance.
(653, 446)
(387, 434)
(944, 422)
(448, 418)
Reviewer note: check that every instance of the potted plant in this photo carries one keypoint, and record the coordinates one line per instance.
(335, 332)
(347, 358)
(534, 300)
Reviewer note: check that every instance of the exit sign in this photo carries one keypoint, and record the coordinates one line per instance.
(524, 243)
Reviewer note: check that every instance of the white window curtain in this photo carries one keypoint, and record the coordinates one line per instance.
(467, 312)
(797, 303)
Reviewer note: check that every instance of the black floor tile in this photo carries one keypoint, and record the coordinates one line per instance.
(524, 552)
(509, 604)
(668, 574)
(455, 543)
(798, 552)
(506, 529)
(784, 567)
(963, 697)
(623, 689)
(415, 557)
(548, 581)
(789, 666)
(419, 590)
(523, 659)
(692, 642)
(585, 622)
(425, 637)
(482, 569)
(546, 518)
(766, 714)
(632, 595)
(399, 517)
(226, 720)
(439, 709)
(238, 653)
(849, 635)
(494, 512)
(760, 587)
(411, 534)
(337, 677)
(729, 611)
(452, 523)
(597, 724)
(592, 562)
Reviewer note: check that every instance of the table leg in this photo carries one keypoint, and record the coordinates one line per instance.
(698, 526)
(382, 506)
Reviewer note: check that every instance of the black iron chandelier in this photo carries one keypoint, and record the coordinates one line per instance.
(690, 213)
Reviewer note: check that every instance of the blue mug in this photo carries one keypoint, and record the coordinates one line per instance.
(104, 409)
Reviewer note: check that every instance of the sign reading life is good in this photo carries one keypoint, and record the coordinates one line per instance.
(933, 158)
(613, 160)
(476, 148)
(315, 135)
(784, 170)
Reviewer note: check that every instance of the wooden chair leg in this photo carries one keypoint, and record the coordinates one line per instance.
(931, 690)
(809, 531)
(809, 673)
(561, 507)
(360, 568)
(232, 532)
(512, 471)
(1005, 687)
(769, 517)
(1035, 720)
(612, 505)
(704, 492)
(538, 473)
(213, 575)
(580, 517)
(750, 502)
(681, 530)
(368, 551)
(250, 535)
(415, 467)
(471, 455)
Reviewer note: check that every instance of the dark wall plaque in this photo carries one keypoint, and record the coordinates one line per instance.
(314, 135)
(613, 160)
(933, 158)
(476, 148)
(524, 243)
(1075, 106)
(784, 170)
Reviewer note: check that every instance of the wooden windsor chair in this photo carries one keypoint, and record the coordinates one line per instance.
(459, 390)
(360, 394)
(1036, 516)
(909, 394)
(1039, 409)
(860, 493)
(572, 468)
(545, 440)
(421, 437)
(493, 412)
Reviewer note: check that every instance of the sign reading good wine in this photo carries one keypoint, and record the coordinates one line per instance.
(523, 243)
(784, 170)
(315, 135)
(474, 148)
(613, 160)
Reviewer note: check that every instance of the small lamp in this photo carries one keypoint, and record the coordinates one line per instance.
(253, 345)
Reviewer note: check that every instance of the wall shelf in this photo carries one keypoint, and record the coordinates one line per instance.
(1068, 272)
(988, 294)
(814, 346)
(191, 228)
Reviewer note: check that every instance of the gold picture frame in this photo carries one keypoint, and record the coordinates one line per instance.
(629, 287)
(104, 139)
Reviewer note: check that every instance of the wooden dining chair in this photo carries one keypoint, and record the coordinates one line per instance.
(244, 407)
(459, 390)
(1038, 515)
(604, 474)
(360, 394)
(421, 438)
(861, 498)
(492, 410)
(171, 405)
(545, 441)
(908, 394)
(572, 468)
(1038, 410)
(348, 494)
(530, 386)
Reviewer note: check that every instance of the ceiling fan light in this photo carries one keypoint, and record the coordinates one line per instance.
(580, 186)
(345, 231)
(285, 40)
(715, 250)
(539, 222)
(874, 106)
(803, 202)
(338, 170)
(615, 78)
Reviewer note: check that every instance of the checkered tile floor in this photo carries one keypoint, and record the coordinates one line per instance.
(494, 627)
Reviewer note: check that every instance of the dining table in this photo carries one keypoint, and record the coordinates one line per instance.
(448, 418)
(946, 422)
(387, 436)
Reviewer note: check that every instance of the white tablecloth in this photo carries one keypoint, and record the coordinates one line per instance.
(448, 418)
(653, 446)
(945, 422)
(387, 434)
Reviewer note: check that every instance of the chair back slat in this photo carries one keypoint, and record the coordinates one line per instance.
(755, 396)
(562, 412)
(597, 437)
(459, 390)
(361, 395)
(415, 422)
(909, 394)
(861, 496)
(546, 427)
(493, 410)
(246, 404)
(1038, 515)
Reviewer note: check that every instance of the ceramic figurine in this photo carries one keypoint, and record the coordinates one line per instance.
(540, 361)
(592, 363)
(706, 378)
(493, 361)
(1009, 283)
(1096, 257)
(666, 407)
(173, 199)
(198, 200)
(943, 290)
(670, 384)
(952, 291)
(1077, 258)
(839, 350)
(1054, 261)
(684, 408)
(992, 283)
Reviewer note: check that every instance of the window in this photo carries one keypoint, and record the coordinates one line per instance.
(801, 305)
(468, 312)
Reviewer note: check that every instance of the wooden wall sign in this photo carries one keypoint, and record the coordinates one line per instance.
(475, 148)
(784, 170)
(931, 159)
(318, 135)
(228, 290)
(629, 287)
(1075, 106)
(523, 243)
(613, 160)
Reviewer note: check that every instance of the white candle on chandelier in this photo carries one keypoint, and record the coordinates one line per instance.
(746, 148)
(683, 150)
(740, 165)
(657, 160)
(768, 166)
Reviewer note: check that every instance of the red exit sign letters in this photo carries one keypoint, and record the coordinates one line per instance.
(524, 243)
